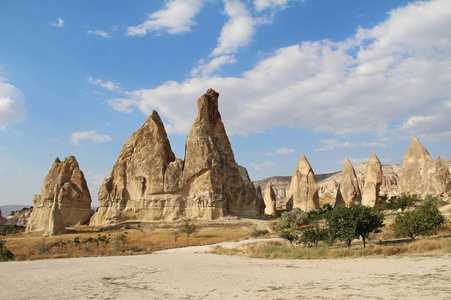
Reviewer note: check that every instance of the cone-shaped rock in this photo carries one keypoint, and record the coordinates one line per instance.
(56, 223)
(136, 185)
(441, 181)
(416, 169)
(373, 181)
(348, 189)
(73, 196)
(270, 200)
(303, 187)
(217, 184)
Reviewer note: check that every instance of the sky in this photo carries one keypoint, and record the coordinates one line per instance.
(330, 79)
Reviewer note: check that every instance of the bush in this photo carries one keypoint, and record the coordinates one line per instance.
(424, 221)
(313, 235)
(293, 219)
(402, 202)
(5, 254)
(188, 229)
(12, 230)
(258, 232)
(289, 236)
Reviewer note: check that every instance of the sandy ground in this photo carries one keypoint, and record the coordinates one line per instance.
(185, 274)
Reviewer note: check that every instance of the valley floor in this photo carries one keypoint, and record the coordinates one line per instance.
(188, 273)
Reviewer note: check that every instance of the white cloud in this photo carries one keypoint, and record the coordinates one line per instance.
(264, 165)
(91, 135)
(100, 33)
(95, 179)
(333, 144)
(284, 151)
(177, 17)
(264, 4)
(59, 23)
(12, 105)
(354, 161)
(104, 84)
(362, 85)
(207, 68)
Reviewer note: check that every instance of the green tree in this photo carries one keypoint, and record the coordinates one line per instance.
(313, 235)
(424, 221)
(292, 219)
(353, 222)
(188, 229)
(289, 236)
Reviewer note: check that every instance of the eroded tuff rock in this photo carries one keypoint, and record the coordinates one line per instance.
(19, 217)
(56, 222)
(149, 183)
(73, 194)
(348, 190)
(270, 200)
(373, 181)
(421, 174)
(303, 187)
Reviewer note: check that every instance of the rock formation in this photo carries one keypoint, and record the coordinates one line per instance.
(373, 181)
(149, 183)
(270, 200)
(56, 223)
(1, 217)
(421, 174)
(74, 198)
(348, 190)
(441, 181)
(303, 187)
(19, 217)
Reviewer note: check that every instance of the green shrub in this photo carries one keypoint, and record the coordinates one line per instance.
(292, 219)
(12, 230)
(289, 236)
(258, 232)
(424, 221)
(313, 235)
(188, 229)
(402, 202)
(5, 254)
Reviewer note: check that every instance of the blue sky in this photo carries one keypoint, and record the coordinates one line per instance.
(331, 79)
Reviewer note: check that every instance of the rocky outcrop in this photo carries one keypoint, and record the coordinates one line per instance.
(303, 187)
(2, 220)
(421, 174)
(441, 180)
(19, 217)
(348, 190)
(56, 222)
(270, 200)
(149, 183)
(373, 181)
(74, 199)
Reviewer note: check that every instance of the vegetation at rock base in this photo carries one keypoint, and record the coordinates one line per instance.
(189, 228)
(5, 254)
(423, 221)
(402, 202)
(11, 230)
(292, 219)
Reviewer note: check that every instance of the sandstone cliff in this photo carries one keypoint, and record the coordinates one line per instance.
(74, 198)
(149, 183)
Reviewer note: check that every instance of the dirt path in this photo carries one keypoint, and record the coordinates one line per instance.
(183, 274)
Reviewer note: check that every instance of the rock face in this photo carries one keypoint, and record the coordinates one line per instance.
(270, 200)
(348, 190)
(303, 187)
(149, 183)
(421, 174)
(19, 217)
(373, 181)
(74, 199)
(56, 223)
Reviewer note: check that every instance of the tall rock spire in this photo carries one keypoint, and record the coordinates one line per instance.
(303, 187)
(270, 200)
(348, 190)
(373, 181)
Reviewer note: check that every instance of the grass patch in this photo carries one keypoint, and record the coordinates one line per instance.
(417, 247)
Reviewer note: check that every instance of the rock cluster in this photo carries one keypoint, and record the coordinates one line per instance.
(348, 190)
(149, 183)
(421, 174)
(373, 181)
(303, 187)
(74, 199)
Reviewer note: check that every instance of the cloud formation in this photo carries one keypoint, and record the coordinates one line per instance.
(99, 33)
(59, 23)
(91, 135)
(109, 85)
(392, 79)
(12, 105)
(177, 17)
